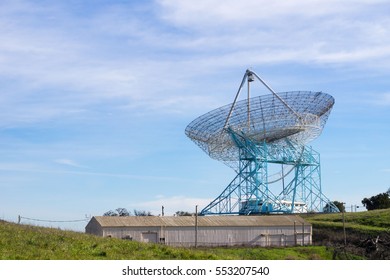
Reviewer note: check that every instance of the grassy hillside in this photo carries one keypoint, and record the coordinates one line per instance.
(369, 222)
(30, 242)
(367, 233)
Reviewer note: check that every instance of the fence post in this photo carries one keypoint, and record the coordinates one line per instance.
(196, 226)
(345, 234)
(303, 234)
(295, 234)
(19, 218)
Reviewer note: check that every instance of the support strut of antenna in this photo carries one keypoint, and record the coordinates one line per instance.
(251, 192)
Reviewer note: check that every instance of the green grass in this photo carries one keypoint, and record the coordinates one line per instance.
(374, 222)
(287, 253)
(31, 243)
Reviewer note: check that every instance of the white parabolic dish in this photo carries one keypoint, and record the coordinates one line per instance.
(262, 118)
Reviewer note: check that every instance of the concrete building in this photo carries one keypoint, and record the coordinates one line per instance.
(272, 230)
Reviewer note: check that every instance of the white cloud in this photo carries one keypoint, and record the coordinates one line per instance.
(375, 99)
(231, 12)
(319, 32)
(24, 167)
(69, 162)
(62, 66)
(151, 59)
(384, 99)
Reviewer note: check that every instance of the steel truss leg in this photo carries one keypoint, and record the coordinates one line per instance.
(249, 192)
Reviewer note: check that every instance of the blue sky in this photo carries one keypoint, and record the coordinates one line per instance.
(95, 97)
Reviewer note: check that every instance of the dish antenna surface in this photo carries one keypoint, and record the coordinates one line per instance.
(264, 139)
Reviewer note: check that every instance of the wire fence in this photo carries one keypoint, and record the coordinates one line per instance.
(74, 224)
(50, 221)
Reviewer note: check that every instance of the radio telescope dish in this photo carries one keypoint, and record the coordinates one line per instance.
(268, 121)
(258, 133)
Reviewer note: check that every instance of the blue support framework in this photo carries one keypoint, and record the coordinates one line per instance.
(259, 135)
(252, 191)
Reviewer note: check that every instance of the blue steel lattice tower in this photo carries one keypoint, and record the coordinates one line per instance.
(264, 139)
